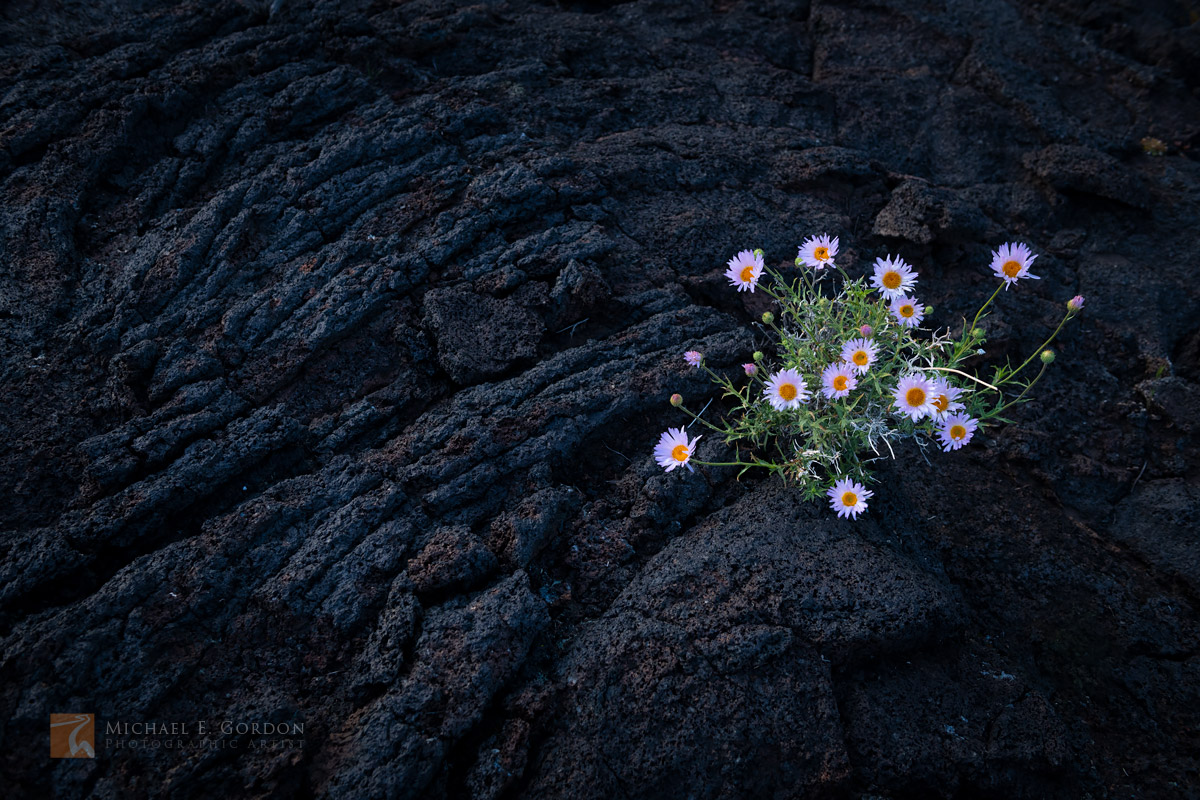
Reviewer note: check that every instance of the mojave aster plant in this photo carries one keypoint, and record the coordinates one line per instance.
(854, 372)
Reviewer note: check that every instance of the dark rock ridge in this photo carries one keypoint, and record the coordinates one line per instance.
(335, 339)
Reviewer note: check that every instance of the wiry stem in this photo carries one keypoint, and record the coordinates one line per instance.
(978, 313)
(965, 375)
(702, 420)
(724, 463)
(1042, 346)
(960, 348)
(1000, 409)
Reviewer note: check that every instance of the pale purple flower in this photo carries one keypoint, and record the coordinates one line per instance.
(744, 270)
(849, 498)
(914, 397)
(945, 398)
(674, 450)
(818, 252)
(907, 311)
(786, 389)
(956, 430)
(693, 358)
(837, 380)
(1011, 262)
(894, 277)
(860, 353)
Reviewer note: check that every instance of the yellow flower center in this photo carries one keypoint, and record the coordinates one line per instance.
(891, 280)
(787, 391)
(747, 274)
(958, 432)
(821, 254)
(839, 383)
(915, 397)
(680, 452)
(1011, 268)
(942, 402)
(907, 310)
(849, 499)
(860, 357)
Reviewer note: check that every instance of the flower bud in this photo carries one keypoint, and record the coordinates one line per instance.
(758, 252)
(768, 317)
(978, 332)
(677, 400)
(750, 369)
(1075, 303)
(866, 330)
(799, 262)
(928, 309)
(1047, 356)
(758, 356)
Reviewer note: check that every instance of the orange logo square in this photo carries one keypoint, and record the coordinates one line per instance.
(72, 735)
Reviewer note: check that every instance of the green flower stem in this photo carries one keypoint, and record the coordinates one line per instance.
(806, 275)
(1000, 409)
(723, 382)
(962, 347)
(1043, 345)
(729, 463)
(773, 326)
(978, 313)
(774, 296)
(702, 420)
(898, 344)
(779, 282)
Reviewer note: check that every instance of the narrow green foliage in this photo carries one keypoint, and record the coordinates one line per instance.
(826, 439)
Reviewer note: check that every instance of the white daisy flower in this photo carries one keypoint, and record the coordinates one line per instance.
(818, 251)
(1011, 262)
(860, 354)
(893, 277)
(907, 311)
(956, 430)
(693, 358)
(945, 398)
(848, 498)
(837, 380)
(673, 449)
(786, 389)
(744, 270)
(914, 397)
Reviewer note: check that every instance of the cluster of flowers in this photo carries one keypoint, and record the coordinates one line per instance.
(878, 381)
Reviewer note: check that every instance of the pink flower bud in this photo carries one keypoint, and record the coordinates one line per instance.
(750, 369)
(866, 330)
(1075, 303)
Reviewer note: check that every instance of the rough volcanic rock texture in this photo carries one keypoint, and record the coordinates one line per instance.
(335, 337)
